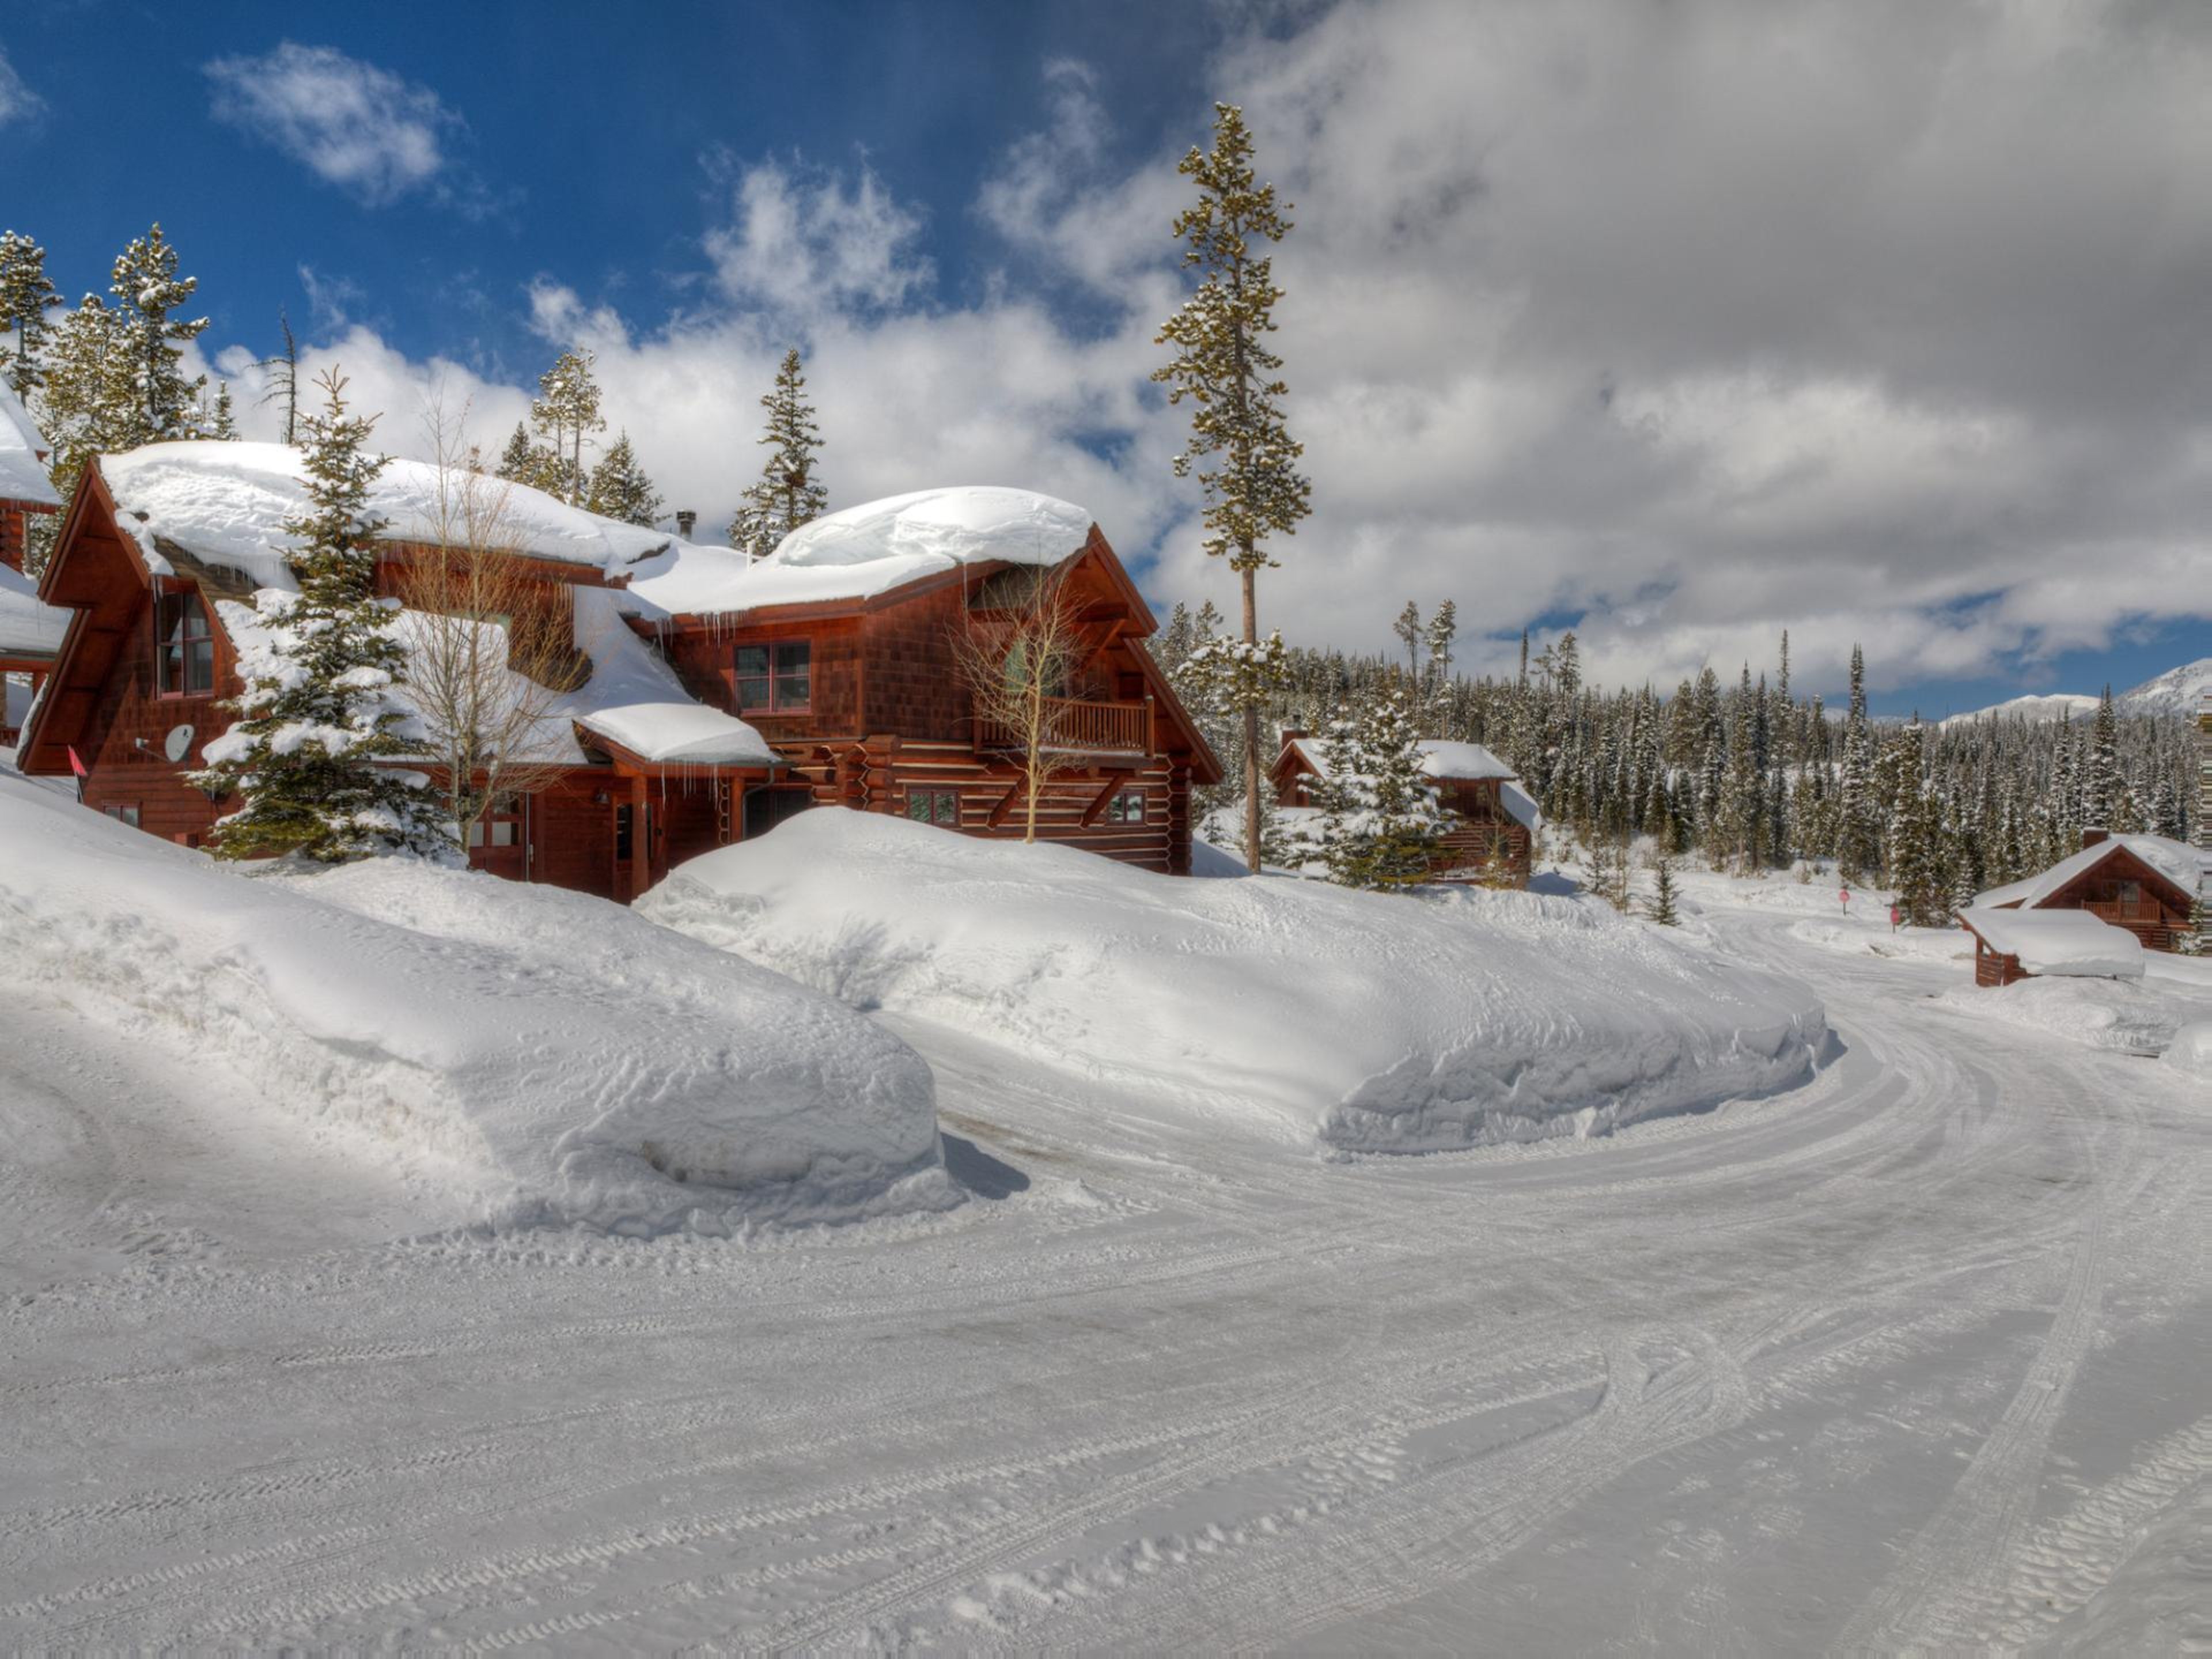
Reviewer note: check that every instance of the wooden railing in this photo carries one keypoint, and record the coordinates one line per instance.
(2124, 910)
(1075, 727)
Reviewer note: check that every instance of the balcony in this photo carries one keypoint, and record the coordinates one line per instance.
(1073, 726)
(2137, 912)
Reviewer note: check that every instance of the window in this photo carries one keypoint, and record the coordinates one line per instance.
(775, 678)
(934, 806)
(122, 814)
(1127, 808)
(500, 826)
(184, 645)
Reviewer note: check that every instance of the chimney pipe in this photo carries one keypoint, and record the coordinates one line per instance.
(686, 522)
(2094, 836)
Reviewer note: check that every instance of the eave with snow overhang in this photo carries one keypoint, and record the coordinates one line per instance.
(2147, 885)
(2010, 945)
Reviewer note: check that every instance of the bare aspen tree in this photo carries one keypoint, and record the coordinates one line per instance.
(491, 643)
(1017, 660)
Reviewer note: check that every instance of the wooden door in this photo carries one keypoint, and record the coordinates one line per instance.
(499, 842)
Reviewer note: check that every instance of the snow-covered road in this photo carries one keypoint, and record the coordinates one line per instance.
(1914, 1354)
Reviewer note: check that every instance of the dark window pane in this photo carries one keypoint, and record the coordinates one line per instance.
(793, 656)
(199, 674)
(752, 660)
(917, 805)
(792, 690)
(948, 808)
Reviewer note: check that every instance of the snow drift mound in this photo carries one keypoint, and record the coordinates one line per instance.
(537, 1056)
(1377, 1022)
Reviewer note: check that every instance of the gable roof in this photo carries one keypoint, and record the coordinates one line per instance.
(225, 504)
(23, 455)
(2179, 865)
(865, 551)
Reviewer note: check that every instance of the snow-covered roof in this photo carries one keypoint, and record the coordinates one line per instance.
(1448, 762)
(225, 503)
(2178, 862)
(868, 550)
(28, 627)
(632, 698)
(2064, 943)
(22, 452)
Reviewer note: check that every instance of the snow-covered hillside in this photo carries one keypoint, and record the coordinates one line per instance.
(519, 1054)
(1375, 1022)
(2178, 691)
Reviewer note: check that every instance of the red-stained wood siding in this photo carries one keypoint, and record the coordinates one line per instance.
(122, 741)
(914, 686)
(704, 657)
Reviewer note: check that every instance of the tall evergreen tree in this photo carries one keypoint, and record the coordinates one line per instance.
(1857, 826)
(2103, 784)
(318, 725)
(789, 491)
(1223, 365)
(565, 413)
(149, 340)
(26, 296)
(620, 489)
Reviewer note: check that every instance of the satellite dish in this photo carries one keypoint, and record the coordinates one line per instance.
(178, 744)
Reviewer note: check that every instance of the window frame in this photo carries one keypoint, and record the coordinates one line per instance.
(941, 807)
(184, 603)
(774, 674)
(1129, 806)
(128, 813)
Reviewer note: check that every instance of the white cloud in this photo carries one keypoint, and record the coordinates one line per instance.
(802, 238)
(17, 102)
(1873, 321)
(354, 126)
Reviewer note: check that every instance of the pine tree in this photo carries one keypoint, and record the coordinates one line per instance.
(1408, 629)
(221, 421)
(1223, 365)
(284, 372)
(26, 296)
(1916, 840)
(565, 412)
(1857, 841)
(1663, 907)
(619, 487)
(317, 718)
(789, 492)
(1405, 827)
(86, 407)
(149, 340)
(2105, 784)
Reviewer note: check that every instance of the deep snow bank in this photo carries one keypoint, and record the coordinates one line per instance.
(1379, 1023)
(2130, 1016)
(540, 1056)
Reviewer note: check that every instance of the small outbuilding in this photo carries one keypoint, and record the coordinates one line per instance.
(2145, 885)
(2010, 945)
(1495, 821)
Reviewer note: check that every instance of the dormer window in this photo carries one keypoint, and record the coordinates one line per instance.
(184, 645)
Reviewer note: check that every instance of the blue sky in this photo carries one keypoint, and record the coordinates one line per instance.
(1871, 322)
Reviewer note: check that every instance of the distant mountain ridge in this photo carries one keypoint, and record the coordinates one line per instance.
(2177, 691)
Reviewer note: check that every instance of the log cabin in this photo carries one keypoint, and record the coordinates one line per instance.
(30, 632)
(2145, 884)
(1495, 820)
(712, 696)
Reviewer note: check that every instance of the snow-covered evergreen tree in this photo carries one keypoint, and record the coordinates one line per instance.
(1664, 905)
(309, 754)
(789, 491)
(2103, 784)
(1857, 833)
(219, 420)
(620, 489)
(1247, 461)
(565, 414)
(149, 338)
(26, 296)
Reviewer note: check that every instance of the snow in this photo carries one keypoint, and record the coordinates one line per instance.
(868, 550)
(633, 697)
(2190, 1049)
(1452, 762)
(2177, 861)
(2131, 1016)
(2042, 708)
(27, 627)
(23, 451)
(1908, 1359)
(225, 503)
(2068, 942)
(526, 1055)
(2178, 691)
(1366, 1022)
